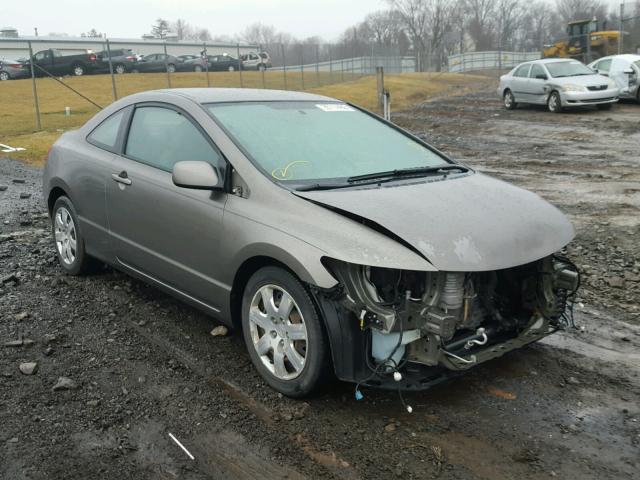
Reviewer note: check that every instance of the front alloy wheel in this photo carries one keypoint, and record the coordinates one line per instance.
(509, 100)
(554, 104)
(4, 76)
(284, 332)
(69, 243)
(120, 69)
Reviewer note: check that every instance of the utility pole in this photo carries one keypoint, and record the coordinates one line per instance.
(35, 29)
(621, 27)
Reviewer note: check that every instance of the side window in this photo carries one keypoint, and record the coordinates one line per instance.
(160, 137)
(537, 71)
(40, 56)
(105, 135)
(604, 65)
(522, 71)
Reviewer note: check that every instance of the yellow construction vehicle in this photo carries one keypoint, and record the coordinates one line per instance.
(586, 41)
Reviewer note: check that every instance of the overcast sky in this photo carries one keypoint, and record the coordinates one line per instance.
(132, 18)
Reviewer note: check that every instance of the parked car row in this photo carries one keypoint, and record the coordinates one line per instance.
(564, 83)
(124, 60)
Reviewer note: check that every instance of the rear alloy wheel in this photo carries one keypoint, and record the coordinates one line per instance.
(4, 76)
(171, 68)
(554, 104)
(78, 70)
(120, 69)
(509, 100)
(197, 68)
(232, 68)
(69, 243)
(284, 333)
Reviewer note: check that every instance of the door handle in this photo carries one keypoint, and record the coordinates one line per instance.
(121, 177)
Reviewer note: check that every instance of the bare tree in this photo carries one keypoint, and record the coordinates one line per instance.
(93, 33)
(414, 17)
(510, 16)
(480, 24)
(182, 29)
(571, 10)
(160, 28)
(259, 33)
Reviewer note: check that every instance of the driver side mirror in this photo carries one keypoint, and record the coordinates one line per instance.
(628, 71)
(541, 76)
(196, 175)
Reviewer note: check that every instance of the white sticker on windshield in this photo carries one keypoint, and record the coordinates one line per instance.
(335, 107)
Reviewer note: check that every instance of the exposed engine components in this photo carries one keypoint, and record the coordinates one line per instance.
(455, 319)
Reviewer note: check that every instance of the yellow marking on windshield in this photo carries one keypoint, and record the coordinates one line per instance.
(281, 173)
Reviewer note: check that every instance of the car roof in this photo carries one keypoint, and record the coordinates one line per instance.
(219, 95)
(554, 60)
(630, 57)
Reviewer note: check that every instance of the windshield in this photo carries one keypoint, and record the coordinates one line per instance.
(568, 69)
(308, 141)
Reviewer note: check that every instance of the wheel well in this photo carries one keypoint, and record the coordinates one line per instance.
(504, 92)
(244, 273)
(54, 194)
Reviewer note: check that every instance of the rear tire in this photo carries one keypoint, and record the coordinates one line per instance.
(554, 103)
(197, 69)
(288, 346)
(509, 100)
(232, 68)
(77, 70)
(120, 69)
(68, 238)
(171, 68)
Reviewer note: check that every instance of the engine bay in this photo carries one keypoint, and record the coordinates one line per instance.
(455, 319)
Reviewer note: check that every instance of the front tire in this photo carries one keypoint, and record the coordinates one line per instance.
(284, 333)
(554, 103)
(232, 68)
(509, 100)
(197, 69)
(262, 67)
(171, 68)
(4, 76)
(120, 69)
(68, 239)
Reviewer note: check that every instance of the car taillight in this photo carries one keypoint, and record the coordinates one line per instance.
(15, 65)
(131, 59)
(92, 57)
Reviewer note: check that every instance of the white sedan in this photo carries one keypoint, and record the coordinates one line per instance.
(557, 83)
(622, 69)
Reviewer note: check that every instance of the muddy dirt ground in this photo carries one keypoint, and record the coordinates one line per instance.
(142, 365)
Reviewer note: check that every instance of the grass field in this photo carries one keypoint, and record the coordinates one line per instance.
(17, 113)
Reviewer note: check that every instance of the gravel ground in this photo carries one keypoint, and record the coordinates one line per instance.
(119, 365)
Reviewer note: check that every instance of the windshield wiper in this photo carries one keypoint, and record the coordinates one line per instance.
(320, 186)
(409, 172)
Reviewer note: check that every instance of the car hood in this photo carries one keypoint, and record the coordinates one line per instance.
(584, 80)
(469, 223)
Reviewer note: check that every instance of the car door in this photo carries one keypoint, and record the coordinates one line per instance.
(603, 66)
(618, 73)
(536, 91)
(146, 63)
(158, 230)
(519, 82)
(43, 59)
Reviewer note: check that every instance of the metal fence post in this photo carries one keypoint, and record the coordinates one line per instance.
(318, 65)
(302, 65)
(262, 71)
(330, 66)
(113, 79)
(166, 64)
(239, 65)
(34, 88)
(205, 57)
(380, 88)
(284, 65)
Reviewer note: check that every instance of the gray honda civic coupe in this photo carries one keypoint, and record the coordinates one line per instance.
(339, 244)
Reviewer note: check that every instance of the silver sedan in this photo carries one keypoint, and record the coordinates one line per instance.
(557, 83)
(336, 242)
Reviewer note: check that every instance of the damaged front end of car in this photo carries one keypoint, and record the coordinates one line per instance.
(413, 329)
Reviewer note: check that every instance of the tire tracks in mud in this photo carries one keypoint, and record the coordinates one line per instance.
(243, 461)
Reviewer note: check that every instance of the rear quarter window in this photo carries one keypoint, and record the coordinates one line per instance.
(105, 135)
